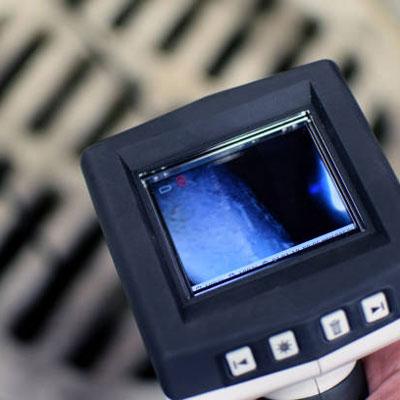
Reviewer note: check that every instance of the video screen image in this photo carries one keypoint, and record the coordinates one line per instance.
(243, 208)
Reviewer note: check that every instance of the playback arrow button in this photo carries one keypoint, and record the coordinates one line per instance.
(375, 307)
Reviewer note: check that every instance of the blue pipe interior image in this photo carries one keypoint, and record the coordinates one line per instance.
(229, 213)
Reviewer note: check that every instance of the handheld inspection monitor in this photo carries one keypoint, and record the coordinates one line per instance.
(256, 233)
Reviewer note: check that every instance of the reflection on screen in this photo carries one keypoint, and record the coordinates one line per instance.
(244, 207)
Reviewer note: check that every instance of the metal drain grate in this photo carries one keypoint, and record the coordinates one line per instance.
(74, 71)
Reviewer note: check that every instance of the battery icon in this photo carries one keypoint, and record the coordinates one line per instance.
(165, 189)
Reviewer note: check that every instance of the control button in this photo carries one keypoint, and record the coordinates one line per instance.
(335, 325)
(284, 345)
(375, 307)
(241, 361)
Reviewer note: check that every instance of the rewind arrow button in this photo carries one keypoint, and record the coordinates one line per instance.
(241, 361)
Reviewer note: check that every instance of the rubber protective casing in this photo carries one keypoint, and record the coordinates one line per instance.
(188, 336)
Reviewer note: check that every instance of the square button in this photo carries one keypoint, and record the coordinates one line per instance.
(375, 307)
(335, 325)
(284, 345)
(241, 361)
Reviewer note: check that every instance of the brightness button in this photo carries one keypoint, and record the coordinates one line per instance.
(284, 345)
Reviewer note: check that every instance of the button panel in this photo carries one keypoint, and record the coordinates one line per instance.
(284, 345)
(241, 361)
(335, 325)
(375, 307)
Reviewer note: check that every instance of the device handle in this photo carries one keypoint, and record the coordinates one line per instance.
(353, 387)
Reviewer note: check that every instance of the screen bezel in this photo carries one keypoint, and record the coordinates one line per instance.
(266, 130)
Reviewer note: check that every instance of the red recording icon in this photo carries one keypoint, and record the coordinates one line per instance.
(181, 181)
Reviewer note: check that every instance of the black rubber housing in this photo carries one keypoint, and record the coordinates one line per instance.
(187, 337)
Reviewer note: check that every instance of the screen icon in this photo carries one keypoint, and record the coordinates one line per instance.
(164, 189)
(181, 181)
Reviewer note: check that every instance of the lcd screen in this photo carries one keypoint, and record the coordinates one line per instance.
(248, 203)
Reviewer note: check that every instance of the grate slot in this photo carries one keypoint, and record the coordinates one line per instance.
(53, 105)
(239, 38)
(5, 170)
(182, 26)
(350, 69)
(144, 370)
(26, 226)
(15, 68)
(381, 126)
(3, 22)
(125, 101)
(95, 340)
(32, 321)
(126, 13)
(74, 3)
(309, 30)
